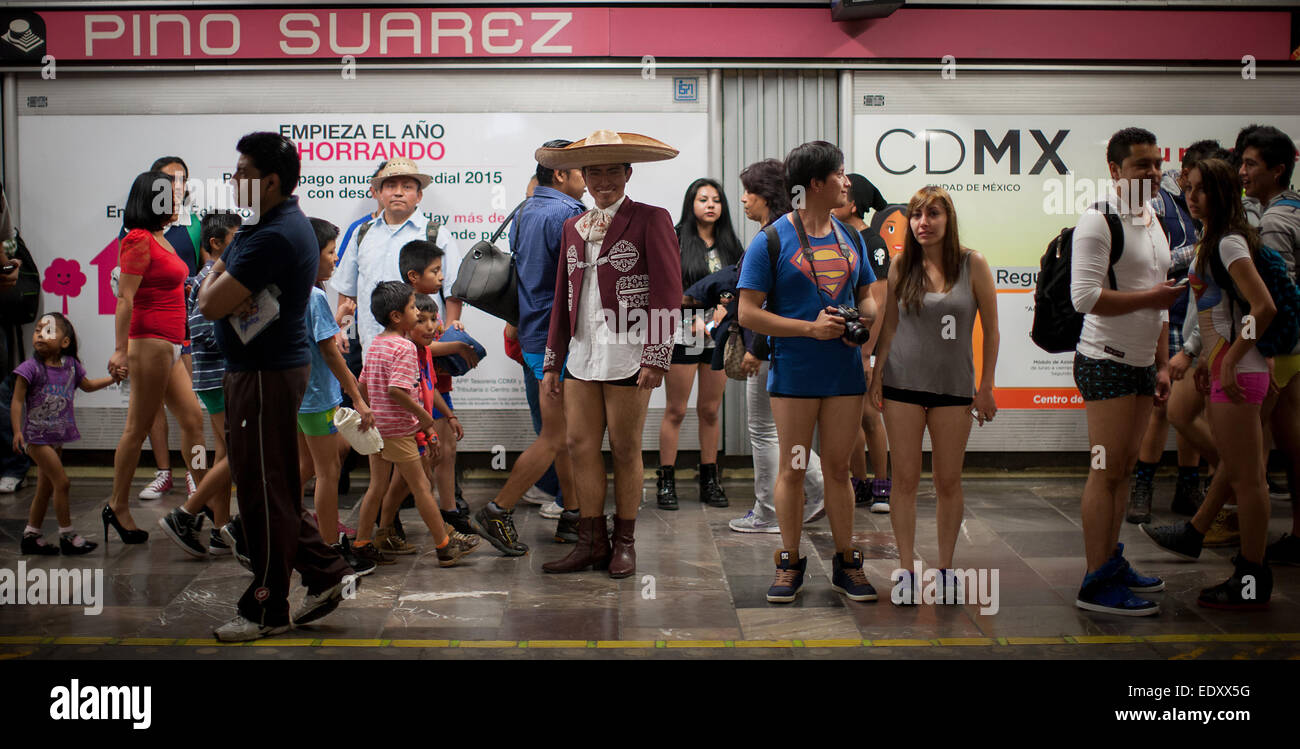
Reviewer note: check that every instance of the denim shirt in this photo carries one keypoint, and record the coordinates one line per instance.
(535, 242)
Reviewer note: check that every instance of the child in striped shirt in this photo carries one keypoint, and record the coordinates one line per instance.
(389, 381)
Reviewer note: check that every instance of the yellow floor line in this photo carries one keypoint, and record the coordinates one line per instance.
(995, 642)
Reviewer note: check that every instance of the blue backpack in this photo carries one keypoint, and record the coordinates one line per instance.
(1284, 332)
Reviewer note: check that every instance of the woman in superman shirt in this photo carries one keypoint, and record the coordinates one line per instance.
(150, 328)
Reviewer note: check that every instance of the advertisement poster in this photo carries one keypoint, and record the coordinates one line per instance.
(1016, 181)
(73, 193)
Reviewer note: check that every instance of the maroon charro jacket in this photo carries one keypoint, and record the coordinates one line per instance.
(643, 272)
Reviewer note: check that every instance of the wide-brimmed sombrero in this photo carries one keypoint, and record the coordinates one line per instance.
(605, 147)
(399, 167)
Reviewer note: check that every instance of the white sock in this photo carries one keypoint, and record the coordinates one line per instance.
(32, 530)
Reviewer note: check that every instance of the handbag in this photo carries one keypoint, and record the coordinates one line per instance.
(455, 364)
(733, 353)
(486, 278)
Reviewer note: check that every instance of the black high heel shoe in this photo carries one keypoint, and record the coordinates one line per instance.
(137, 536)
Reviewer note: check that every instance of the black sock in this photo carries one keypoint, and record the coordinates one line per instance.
(1144, 472)
(1188, 474)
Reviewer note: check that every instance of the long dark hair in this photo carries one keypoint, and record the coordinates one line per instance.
(1224, 214)
(766, 179)
(695, 263)
(69, 332)
(912, 280)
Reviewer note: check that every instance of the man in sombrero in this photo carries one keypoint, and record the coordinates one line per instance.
(617, 292)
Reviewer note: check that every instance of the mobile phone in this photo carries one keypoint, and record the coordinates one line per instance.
(8, 268)
(1183, 283)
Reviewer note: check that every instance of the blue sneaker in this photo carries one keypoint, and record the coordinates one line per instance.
(789, 577)
(907, 590)
(1103, 591)
(1134, 580)
(848, 578)
(950, 587)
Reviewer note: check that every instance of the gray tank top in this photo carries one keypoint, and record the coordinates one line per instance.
(931, 351)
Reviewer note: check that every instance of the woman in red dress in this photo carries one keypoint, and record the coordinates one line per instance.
(150, 328)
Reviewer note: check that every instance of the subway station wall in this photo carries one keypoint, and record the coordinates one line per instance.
(83, 140)
(1023, 154)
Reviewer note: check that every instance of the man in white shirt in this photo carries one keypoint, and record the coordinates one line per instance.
(1121, 364)
(621, 262)
(371, 255)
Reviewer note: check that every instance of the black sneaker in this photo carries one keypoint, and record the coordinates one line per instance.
(368, 552)
(1248, 589)
(1180, 539)
(360, 566)
(217, 546)
(1187, 498)
(498, 527)
(183, 528)
(1285, 550)
(1139, 503)
(460, 520)
(34, 543)
(233, 534)
(789, 578)
(1277, 489)
(566, 528)
(848, 578)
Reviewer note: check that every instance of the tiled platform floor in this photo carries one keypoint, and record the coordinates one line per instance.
(707, 583)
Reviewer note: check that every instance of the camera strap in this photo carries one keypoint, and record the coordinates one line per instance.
(804, 248)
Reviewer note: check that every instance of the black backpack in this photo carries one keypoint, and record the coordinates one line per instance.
(1057, 325)
(18, 306)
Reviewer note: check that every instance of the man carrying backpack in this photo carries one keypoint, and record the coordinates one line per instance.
(1267, 164)
(1121, 362)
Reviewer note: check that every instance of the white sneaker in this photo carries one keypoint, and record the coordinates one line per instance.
(323, 603)
(161, 484)
(752, 524)
(535, 496)
(190, 487)
(240, 629)
(10, 484)
(551, 510)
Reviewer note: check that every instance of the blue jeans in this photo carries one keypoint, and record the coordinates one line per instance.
(549, 482)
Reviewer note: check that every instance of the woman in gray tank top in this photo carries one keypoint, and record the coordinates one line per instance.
(925, 358)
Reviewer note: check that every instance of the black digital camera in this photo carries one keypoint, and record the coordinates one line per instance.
(854, 331)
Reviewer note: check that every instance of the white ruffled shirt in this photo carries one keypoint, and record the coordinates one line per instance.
(596, 353)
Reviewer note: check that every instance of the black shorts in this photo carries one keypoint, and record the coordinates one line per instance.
(625, 382)
(924, 399)
(1103, 379)
(682, 355)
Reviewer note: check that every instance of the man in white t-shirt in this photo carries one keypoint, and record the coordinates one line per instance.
(1121, 364)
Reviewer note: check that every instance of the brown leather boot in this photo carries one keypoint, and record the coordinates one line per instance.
(622, 563)
(591, 550)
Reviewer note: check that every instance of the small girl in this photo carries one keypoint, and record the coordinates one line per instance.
(318, 450)
(45, 384)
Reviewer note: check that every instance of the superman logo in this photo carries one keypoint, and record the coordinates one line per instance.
(828, 269)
